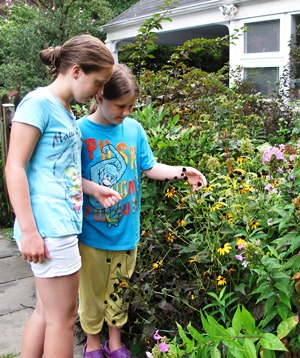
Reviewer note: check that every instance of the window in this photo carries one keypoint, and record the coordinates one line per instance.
(264, 78)
(295, 54)
(262, 36)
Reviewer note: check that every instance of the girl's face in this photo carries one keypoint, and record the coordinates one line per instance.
(88, 85)
(111, 112)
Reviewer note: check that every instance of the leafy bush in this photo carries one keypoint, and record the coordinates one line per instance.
(230, 252)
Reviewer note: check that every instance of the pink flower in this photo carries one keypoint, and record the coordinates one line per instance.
(280, 170)
(163, 347)
(268, 187)
(239, 257)
(149, 355)
(157, 336)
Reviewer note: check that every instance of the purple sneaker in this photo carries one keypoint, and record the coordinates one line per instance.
(92, 354)
(122, 352)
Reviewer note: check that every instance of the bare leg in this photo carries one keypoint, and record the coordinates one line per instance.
(34, 332)
(93, 342)
(58, 298)
(114, 338)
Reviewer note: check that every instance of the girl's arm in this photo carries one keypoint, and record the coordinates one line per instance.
(23, 140)
(106, 196)
(162, 171)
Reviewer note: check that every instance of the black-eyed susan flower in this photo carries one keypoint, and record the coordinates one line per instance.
(224, 249)
(253, 224)
(246, 189)
(209, 188)
(217, 206)
(156, 265)
(180, 222)
(169, 237)
(240, 160)
(221, 280)
(170, 193)
(194, 259)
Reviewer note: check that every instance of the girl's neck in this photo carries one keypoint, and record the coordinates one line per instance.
(96, 118)
(57, 90)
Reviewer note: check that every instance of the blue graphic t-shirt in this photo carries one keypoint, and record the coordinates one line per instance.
(114, 156)
(54, 169)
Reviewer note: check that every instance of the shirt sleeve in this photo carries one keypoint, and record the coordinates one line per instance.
(33, 111)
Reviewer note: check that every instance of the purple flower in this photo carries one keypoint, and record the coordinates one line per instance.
(157, 336)
(163, 347)
(268, 187)
(239, 257)
(280, 170)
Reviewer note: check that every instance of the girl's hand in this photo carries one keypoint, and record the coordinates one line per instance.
(33, 248)
(107, 197)
(195, 178)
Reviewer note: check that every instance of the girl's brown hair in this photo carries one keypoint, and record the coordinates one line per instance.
(87, 51)
(121, 83)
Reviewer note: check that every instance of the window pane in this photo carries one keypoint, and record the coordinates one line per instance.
(295, 55)
(262, 36)
(265, 79)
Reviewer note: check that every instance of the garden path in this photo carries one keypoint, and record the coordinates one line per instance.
(17, 298)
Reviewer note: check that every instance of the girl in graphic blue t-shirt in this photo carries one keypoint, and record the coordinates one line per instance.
(114, 154)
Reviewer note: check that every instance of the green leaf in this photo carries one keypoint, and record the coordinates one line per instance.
(270, 341)
(210, 330)
(286, 326)
(248, 321)
(237, 320)
(250, 351)
(199, 337)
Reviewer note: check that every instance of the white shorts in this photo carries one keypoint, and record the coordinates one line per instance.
(65, 257)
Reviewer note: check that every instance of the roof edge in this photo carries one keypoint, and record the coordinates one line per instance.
(187, 9)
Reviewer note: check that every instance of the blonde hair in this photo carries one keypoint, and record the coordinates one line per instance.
(87, 51)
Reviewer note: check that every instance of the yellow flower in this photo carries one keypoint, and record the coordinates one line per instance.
(170, 192)
(217, 206)
(156, 265)
(224, 249)
(169, 237)
(246, 189)
(194, 259)
(221, 280)
(123, 284)
(253, 224)
(241, 242)
(180, 222)
(209, 188)
(240, 160)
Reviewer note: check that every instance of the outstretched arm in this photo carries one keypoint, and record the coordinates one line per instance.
(162, 171)
(107, 197)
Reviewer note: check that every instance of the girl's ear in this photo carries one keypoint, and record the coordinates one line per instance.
(99, 98)
(76, 71)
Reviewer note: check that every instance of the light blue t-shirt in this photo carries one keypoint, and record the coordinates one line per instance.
(114, 156)
(54, 169)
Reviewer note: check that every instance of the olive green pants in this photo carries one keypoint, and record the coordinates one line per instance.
(103, 282)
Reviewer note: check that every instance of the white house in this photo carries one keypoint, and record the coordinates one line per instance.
(264, 48)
